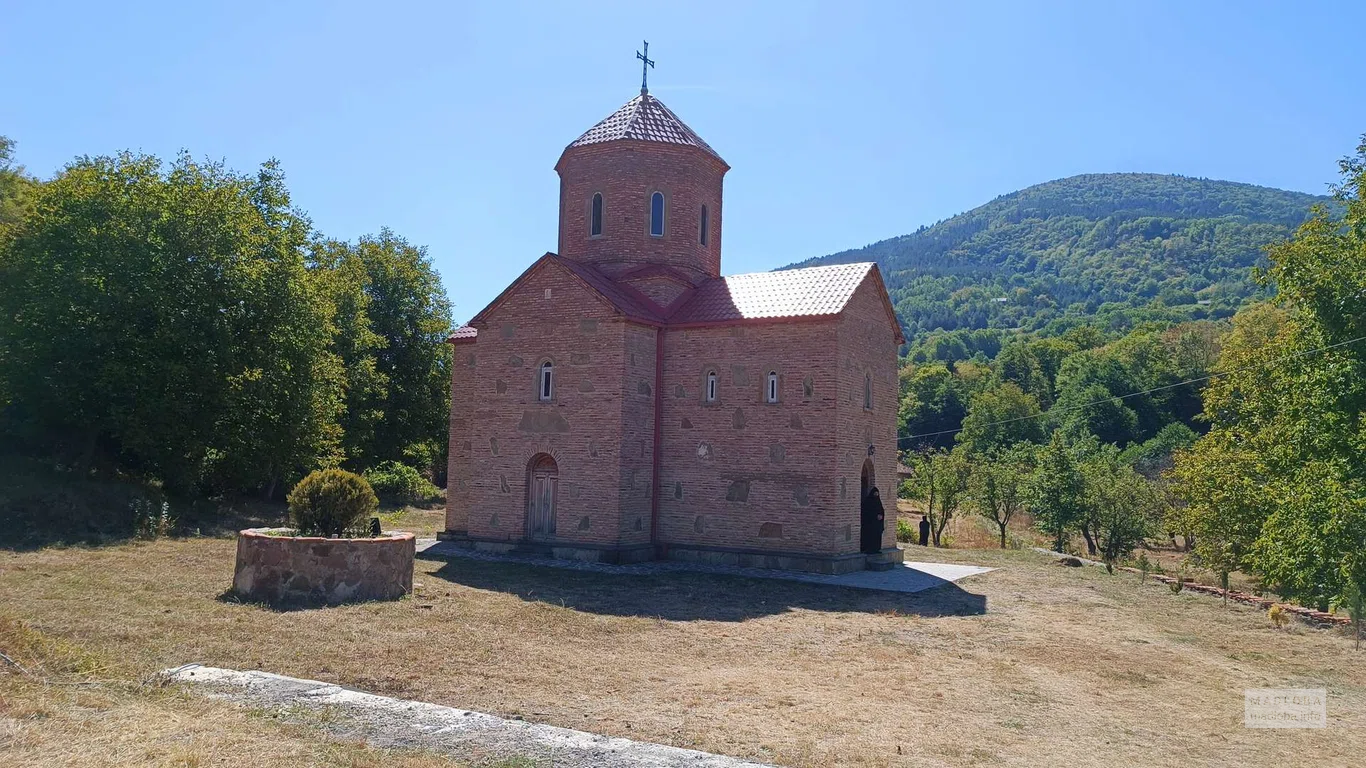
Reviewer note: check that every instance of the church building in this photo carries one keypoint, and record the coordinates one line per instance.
(624, 401)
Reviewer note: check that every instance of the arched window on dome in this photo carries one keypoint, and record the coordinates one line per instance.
(702, 227)
(710, 394)
(772, 394)
(595, 216)
(657, 214)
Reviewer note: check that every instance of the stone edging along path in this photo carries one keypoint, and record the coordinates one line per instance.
(1317, 618)
(396, 723)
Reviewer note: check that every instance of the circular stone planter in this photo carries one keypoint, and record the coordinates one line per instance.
(274, 567)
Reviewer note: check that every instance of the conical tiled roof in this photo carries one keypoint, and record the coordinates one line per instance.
(644, 118)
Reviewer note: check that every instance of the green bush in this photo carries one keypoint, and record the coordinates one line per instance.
(401, 483)
(332, 502)
(905, 532)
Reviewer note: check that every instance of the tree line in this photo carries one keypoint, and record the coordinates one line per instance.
(184, 323)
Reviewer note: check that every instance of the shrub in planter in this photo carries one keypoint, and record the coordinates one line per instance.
(400, 483)
(332, 502)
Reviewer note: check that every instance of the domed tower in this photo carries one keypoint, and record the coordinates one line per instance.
(641, 188)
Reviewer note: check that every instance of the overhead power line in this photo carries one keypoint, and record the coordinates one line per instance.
(1079, 406)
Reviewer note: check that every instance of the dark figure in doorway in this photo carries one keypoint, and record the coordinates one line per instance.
(872, 522)
(924, 530)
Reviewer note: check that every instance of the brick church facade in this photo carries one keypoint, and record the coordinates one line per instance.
(622, 401)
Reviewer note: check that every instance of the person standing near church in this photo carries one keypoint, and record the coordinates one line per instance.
(924, 530)
(874, 522)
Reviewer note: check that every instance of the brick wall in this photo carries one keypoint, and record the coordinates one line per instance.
(498, 422)
(637, 433)
(626, 173)
(738, 473)
(867, 347)
(742, 472)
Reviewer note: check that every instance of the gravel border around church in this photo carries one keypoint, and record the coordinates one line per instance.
(398, 723)
(908, 577)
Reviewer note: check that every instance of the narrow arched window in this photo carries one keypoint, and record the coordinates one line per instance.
(657, 214)
(711, 386)
(772, 393)
(702, 229)
(868, 391)
(595, 216)
(547, 381)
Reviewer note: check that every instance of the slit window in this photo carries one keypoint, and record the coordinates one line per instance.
(868, 391)
(547, 389)
(657, 214)
(771, 394)
(702, 227)
(710, 395)
(595, 216)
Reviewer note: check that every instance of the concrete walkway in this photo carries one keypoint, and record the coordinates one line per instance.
(397, 723)
(909, 577)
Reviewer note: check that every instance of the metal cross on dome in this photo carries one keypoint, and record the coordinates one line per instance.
(645, 66)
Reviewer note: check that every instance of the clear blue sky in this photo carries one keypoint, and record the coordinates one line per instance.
(844, 123)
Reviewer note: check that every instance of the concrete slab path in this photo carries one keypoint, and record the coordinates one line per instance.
(388, 722)
(909, 577)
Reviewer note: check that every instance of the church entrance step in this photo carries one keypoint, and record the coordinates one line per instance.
(880, 562)
(532, 548)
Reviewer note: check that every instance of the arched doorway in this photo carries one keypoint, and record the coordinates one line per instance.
(542, 491)
(870, 532)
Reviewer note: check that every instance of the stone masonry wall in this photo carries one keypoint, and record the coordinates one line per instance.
(312, 569)
(627, 173)
(742, 472)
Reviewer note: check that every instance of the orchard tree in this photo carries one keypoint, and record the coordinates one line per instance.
(996, 486)
(1122, 507)
(941, 481)
(1055, 491)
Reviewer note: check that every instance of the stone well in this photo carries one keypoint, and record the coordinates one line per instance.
(277, 568)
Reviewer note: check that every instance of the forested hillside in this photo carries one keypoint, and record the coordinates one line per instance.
(1126, 247)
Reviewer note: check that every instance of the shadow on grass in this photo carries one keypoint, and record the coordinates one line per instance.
(684, 596)
(230, 597)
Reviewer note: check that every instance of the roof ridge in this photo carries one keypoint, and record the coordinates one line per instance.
(802, 269)
(644, 118)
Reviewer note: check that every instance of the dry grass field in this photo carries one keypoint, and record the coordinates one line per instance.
(1032, 664)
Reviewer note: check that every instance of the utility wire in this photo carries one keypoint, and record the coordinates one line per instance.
(1051, 411)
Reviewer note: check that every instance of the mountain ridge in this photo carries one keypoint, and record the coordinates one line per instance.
(1124, 245)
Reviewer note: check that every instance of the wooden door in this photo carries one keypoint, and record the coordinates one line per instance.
(541, 496)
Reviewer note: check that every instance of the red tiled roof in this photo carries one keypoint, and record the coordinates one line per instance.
(786, 294)
(622, 298)
(644, 118)
(808, 292)
(463, 333)
(625, 298)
